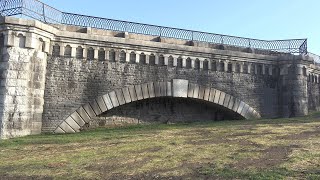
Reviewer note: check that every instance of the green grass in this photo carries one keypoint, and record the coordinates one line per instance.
(247, 149)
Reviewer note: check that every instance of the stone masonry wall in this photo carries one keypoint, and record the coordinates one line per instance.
(72, 82)
(22, 86)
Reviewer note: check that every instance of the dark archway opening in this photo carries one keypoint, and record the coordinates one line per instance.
(165, 110)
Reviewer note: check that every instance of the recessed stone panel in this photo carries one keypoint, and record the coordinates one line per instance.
(83, 114)
(244, 110)
(72, 124)
(114, 99)
(126, 95)
(76, 117)
(108, 101)
(120, 97)
(139, 92)
(151, 90)
(133, 93)
(180, 87)
(145, 91)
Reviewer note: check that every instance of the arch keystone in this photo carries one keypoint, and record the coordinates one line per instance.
(180, 88)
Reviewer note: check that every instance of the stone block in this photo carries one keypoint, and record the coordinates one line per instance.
(221, 99)
(59, 131)
(196, 91)
(241, 105)
(133, 93)
(66, 128)
(101, 104)
(108, 101)
(151, 90)
(190, 90)
(217, 97)
(84, 115)
(76, 117)
(201, 92)
(226, 100)
(126, 95)
(206, 94)
(72, 124)
(114, 99)
(169, 89)
(94, 105)
(120, 96)
(163, 89)
(244, 110)
(212, 94)
(231, 102)
(236, 105)
(180, 88)
(145, 91)
(139, 92)
(157, 89)
(89, 110)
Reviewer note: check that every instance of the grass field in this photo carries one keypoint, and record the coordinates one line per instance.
(247, 149)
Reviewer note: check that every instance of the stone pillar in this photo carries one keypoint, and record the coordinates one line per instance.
(166, 60)
(96, 53)
(22, 87)
(184, 62)
(156, 59)
(293, 97)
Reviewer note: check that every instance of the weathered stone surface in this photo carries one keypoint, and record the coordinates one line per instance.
(201, 92)
(101, 104)
(169, 89)
(196, 92)
(108, 101)
(157, 89)
(212, 94)
(84, 115)
(221, 99)
(151, 90)
(89, 110)
(59, 131)
(126, 95)
(114, 99)
(139, 92)
(76, 117)
(190, 90)
(95, 107)
(72, 124)
(66, 128)
(180, 88)
(217, 97)
(206, 94)
(133, 93)
(120, 96)
(145, 91)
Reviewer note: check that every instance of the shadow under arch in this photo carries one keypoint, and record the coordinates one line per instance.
(178, 88)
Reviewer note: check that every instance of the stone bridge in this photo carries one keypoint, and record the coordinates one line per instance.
(62, 79)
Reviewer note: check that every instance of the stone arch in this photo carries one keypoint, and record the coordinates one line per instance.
(188, 63)
(177, 88)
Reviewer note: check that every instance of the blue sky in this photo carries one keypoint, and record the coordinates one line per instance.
(269, 19)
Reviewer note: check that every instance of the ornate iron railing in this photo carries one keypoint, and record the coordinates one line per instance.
(42, 12)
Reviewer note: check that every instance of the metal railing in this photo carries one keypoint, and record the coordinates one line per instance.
(42, 12)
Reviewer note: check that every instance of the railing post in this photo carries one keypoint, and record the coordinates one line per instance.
(160, 31)
(43, 13)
